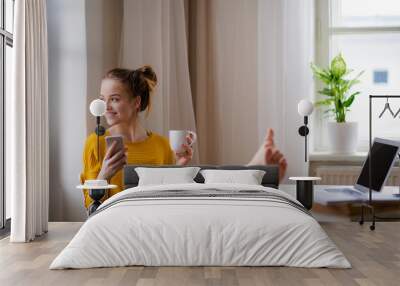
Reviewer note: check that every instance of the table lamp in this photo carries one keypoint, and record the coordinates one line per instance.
(305, 108)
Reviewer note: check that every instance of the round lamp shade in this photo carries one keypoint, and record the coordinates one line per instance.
(97, 107)
(305, 107)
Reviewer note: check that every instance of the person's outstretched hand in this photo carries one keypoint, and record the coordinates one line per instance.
(269, 154)
(272, 154)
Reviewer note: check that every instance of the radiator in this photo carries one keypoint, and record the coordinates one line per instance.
(347, 175)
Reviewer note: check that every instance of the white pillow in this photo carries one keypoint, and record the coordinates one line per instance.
(162, 176)
(249, 177)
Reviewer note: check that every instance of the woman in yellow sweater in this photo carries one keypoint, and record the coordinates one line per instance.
(126, 94)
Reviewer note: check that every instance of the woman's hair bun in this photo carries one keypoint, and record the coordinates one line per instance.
(140, 82)
(149, 76)
(144, 83)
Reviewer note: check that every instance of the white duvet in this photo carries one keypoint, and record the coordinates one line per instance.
(200, 231)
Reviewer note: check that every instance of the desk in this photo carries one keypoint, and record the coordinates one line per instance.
(341, 205)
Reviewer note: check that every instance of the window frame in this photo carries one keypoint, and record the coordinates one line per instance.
(6, 39)
(324, 32)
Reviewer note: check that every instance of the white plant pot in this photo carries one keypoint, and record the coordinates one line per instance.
(343, 137)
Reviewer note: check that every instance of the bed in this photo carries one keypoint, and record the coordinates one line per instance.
(198, 224)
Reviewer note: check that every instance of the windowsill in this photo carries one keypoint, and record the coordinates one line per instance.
(329, 156)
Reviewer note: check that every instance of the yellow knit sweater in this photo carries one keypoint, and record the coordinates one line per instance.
(155, 150)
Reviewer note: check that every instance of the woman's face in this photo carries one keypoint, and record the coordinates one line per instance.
(121, 108)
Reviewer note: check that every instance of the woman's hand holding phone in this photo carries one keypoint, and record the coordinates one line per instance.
(113, 161)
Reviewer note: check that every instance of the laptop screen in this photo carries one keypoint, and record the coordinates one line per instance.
(383, 156)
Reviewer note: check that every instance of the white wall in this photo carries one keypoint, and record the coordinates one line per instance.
(84, 40)
(67, 106)
(285, 50)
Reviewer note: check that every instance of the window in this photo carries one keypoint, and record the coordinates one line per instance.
(6, 45)
(367, 33)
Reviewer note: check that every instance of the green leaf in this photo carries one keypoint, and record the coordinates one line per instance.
(356, 93)
(338, 105)
(326, 91)
(315, 68)
(324, 102)
(321, 74)
(338, 66)
(349, 101)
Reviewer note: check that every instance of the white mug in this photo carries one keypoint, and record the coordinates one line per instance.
(178, 137)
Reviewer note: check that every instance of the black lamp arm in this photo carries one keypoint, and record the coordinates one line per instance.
(100, 130)
(303, 131)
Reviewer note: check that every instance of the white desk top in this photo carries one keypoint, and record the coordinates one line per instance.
(304, 178)
(324, 195)
(96, 187)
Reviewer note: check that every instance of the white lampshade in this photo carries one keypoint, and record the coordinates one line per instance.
(97, 107)
(305, 107)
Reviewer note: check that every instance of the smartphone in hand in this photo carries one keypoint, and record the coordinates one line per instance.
(115, 138)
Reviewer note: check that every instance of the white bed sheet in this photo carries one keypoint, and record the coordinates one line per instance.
(200, 231)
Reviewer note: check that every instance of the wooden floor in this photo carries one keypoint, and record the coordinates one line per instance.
(375, 257)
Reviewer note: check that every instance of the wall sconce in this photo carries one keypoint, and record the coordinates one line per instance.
(98, 108)
(305, 108)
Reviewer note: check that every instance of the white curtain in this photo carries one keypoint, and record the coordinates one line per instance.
(223, 67)
(27, 123)
(249, 65)
(285, 50)
(154, 33)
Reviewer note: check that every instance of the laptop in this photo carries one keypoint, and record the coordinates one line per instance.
(384, 153)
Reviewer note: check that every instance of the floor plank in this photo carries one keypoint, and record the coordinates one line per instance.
(375, 257)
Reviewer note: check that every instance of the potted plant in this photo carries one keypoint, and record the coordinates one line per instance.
(343, 135)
